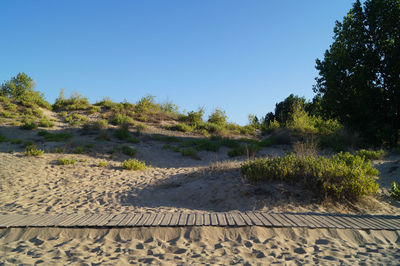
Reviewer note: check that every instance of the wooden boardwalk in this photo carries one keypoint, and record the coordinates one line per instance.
(222, 219)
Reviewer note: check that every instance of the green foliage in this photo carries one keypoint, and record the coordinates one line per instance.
(8, 114)
(133, 164)
(45, 122)
(65, 161)
(146, 104)
(106, 103)
(102, 164)
(20, 89)
(14, 141)
(211, 128)
(96, 125)
(218, 117)
(358, 78)
(122, 134)
(183, 127)
(343, 177)
(60, 150)
(94, 109)
(340, 140)
(370, 154)
(202, 144)
(193, 118)
(270, 126)
(128, 151)
(169, 107)
(249, 150)
(75, 119)
(32, 150)
(189, 152)
(278, 138)
(120, 119)
(395, 190)
(237, 151)
(74, 102)
(29, 124)
(2, 138)
(47, 136)
(79, 150)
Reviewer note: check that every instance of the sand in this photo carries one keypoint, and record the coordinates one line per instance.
(199, 245)
(212, 182)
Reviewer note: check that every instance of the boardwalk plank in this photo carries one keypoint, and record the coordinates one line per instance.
(272, 220)
(333, 222)
(191, 219)
(27, 220)
(207, 219)
(262, 219)
(345, 221)
(246, 218)
(151, 219)
(238, 219)
(280, 219)
(298, 221)
(174, 219)
(115, 220)
(158, 219)
(136, 218)
(11, 219)
(183, 219)
(142, 220)
(307, 220)
(254, 218)
(221, 219)
(229, 218)
(69, 220)
(167, 218)
(317, 222)
(214, 220)
(126, 219)
(199, 219)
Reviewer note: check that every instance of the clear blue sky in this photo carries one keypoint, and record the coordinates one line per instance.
(241, 56)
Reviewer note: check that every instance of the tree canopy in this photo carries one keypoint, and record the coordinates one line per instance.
(359, 76)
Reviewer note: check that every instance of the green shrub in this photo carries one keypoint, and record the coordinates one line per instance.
(370, 154)
(75, 119)
(237, 151)
(133, 140)
(15, 141)
(146, 104)
(202, 144)
(8, 114)
(183, 127)
(2, 138)
(218, 117)
(230, 143)
(189, 152)
(122, 134)
(211, 128)
(106, 103)
(96, 125)
(47, 136)
(32, 150)
(60, 150)
(133, 164)
(102, 164)
(340, 140)
(119, 119)
(79, 150)
(270, 127)
(94, 109)
(75, 102)
(395, 190)
(249, 150)
(45, 122)
(326, 127)
(28, 124)
(128, 151)
(343, 177)
(65, 161)
(193, 118)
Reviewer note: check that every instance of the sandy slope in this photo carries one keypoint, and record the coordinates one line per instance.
(199, 245)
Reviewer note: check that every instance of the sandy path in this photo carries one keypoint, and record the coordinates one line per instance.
(218, 246)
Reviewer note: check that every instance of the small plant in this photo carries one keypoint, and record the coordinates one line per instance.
(45, 122)
(133, 140)
(218, 117)
(75, 119)
(119, 119)
(29, 124)
(395, 190)
(102, 164)
(189, 152)
(2, 138)
(128, 151)
(47, 136)
(371, 155)
(32, 150)
(134, 164)
(122, 134)
(15, 141)
(79, 150)
(60, 150)
(183, 127)
(65, 161)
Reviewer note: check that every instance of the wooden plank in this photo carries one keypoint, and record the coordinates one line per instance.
(207, 219)
(296, 220)
(214, 219)
(69, 220)
(7, 217)
(142, 220)
(136, 218)
(254, 218)
(274, 222)
(50, 220)
(27, 220)
(238, 219)
(346, 222)
(229, 218)
(90, 220)
(183, 219)
(246, 218)
(333, 222)
(158, 219)
(262, 219)
(174, 219)
(124, 221)
(82, 220)
(366, 222)
(11, 219)
(199, 219)
(114, 221)
(167, 218)
(383, 223)
(151, 219)
(221, 219)
(283, 222)
(318, 223)
(106, 218)
(191, 219)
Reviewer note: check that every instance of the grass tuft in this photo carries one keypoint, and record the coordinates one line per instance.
(134, 164)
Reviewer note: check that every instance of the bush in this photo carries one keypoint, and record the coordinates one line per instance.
(2, 138)
(189, 152)
(32, 150)
(106, 103)
(133, 164)
(75, 119)
(96, 125)
(249, 150)
(94, 109)
(65, 161)
(395, 190)
(370, 154)
(339, 141)
(123, 134)
(193, 118)
(75, 102)
(211, 128)
(45, 122)
(343, 177)
(79, 150)
(202, 144)
(102, 164)
(120, 119)
(14, 141)
(47, 136)
(218, 117)
(128, 151)
(183, 127)
(29, 124)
